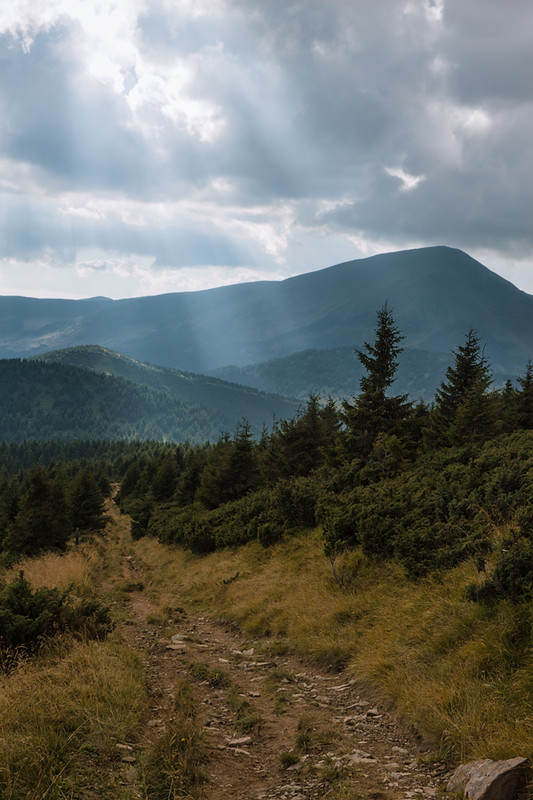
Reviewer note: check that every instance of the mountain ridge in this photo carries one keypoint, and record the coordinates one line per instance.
(52, 397)
(437, 294)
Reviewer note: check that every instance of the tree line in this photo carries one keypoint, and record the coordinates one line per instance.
(420, 483)
(425, 484)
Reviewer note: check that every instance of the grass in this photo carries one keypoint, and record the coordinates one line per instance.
(471, 665)
(59, 571)
(63, 712)
(245, 718)
(288, 759)
(61, 716)
(172, 765)
(217, 679)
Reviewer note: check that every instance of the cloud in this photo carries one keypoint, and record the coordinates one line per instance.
(254, 136)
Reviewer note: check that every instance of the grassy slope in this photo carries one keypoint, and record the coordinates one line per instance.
(63, 712)
(452, 667)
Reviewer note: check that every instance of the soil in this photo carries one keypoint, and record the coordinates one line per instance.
(318, 734)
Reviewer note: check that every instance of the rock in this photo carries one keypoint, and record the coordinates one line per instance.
(239, 742)
(360, 754)
(490, 780)
(401, 751)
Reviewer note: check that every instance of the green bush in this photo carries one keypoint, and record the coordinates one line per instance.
(28, 617)
(512, 577)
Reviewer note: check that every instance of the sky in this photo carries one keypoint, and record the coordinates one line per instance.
(151, 146)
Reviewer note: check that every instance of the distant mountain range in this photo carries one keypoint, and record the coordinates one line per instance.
(337, 372)
(437, 294)
(94, 393)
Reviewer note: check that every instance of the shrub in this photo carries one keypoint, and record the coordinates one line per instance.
(512, 577)
(27, 617)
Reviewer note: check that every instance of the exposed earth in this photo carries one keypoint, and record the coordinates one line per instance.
(273, 727)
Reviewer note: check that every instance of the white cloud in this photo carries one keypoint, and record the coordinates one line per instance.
(409, 182)
(186, 137)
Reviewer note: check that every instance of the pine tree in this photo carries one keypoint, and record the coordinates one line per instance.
(87, 502)
(165, 479)
(463, 405)
(374, 411)
(475, 417)
(243, 469)
(524, 399)
(42, 521)
(470, 367)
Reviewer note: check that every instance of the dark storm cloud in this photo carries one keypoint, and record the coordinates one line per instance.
(257, 123)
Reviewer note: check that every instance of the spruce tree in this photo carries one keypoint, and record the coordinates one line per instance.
(464, 410)
(87, 502)
(374, 411)
(42, 521)
(524, 399)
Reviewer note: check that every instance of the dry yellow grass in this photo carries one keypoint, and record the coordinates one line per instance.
(58, 570)
(453, 668)
(61, 717)
(63, 712)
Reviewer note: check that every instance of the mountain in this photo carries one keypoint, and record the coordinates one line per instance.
(216, 395)
(437, 295)
(55, 400)
(337, 372)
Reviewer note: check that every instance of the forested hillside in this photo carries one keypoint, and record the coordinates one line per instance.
(41, 400)
(421, 516)
(218, 396)
(337, 373)
(424, 486)
(47, 401)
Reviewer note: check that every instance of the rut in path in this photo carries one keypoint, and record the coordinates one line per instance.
(344, 744)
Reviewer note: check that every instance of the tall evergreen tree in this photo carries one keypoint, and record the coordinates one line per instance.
(524, 399)
(299, 445)
(87, 502)
(374, 411)
(463, 404)
(42, 521)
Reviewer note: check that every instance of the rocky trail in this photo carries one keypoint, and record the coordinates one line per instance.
(272, 727)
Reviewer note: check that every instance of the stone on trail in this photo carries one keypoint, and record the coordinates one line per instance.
(490, 780)
(239, 742)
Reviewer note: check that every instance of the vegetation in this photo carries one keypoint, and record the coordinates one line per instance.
(425, 486)
(40, 400)
(424, 514)
(27, 617)
(41, 509)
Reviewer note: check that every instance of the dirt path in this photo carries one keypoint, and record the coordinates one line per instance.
(274, 728)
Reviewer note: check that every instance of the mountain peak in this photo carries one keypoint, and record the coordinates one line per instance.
(436, 293)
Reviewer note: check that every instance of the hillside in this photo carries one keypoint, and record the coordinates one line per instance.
(437, 293)
(395, 548)
(337, 373)
(230, 400)
(40, 400)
